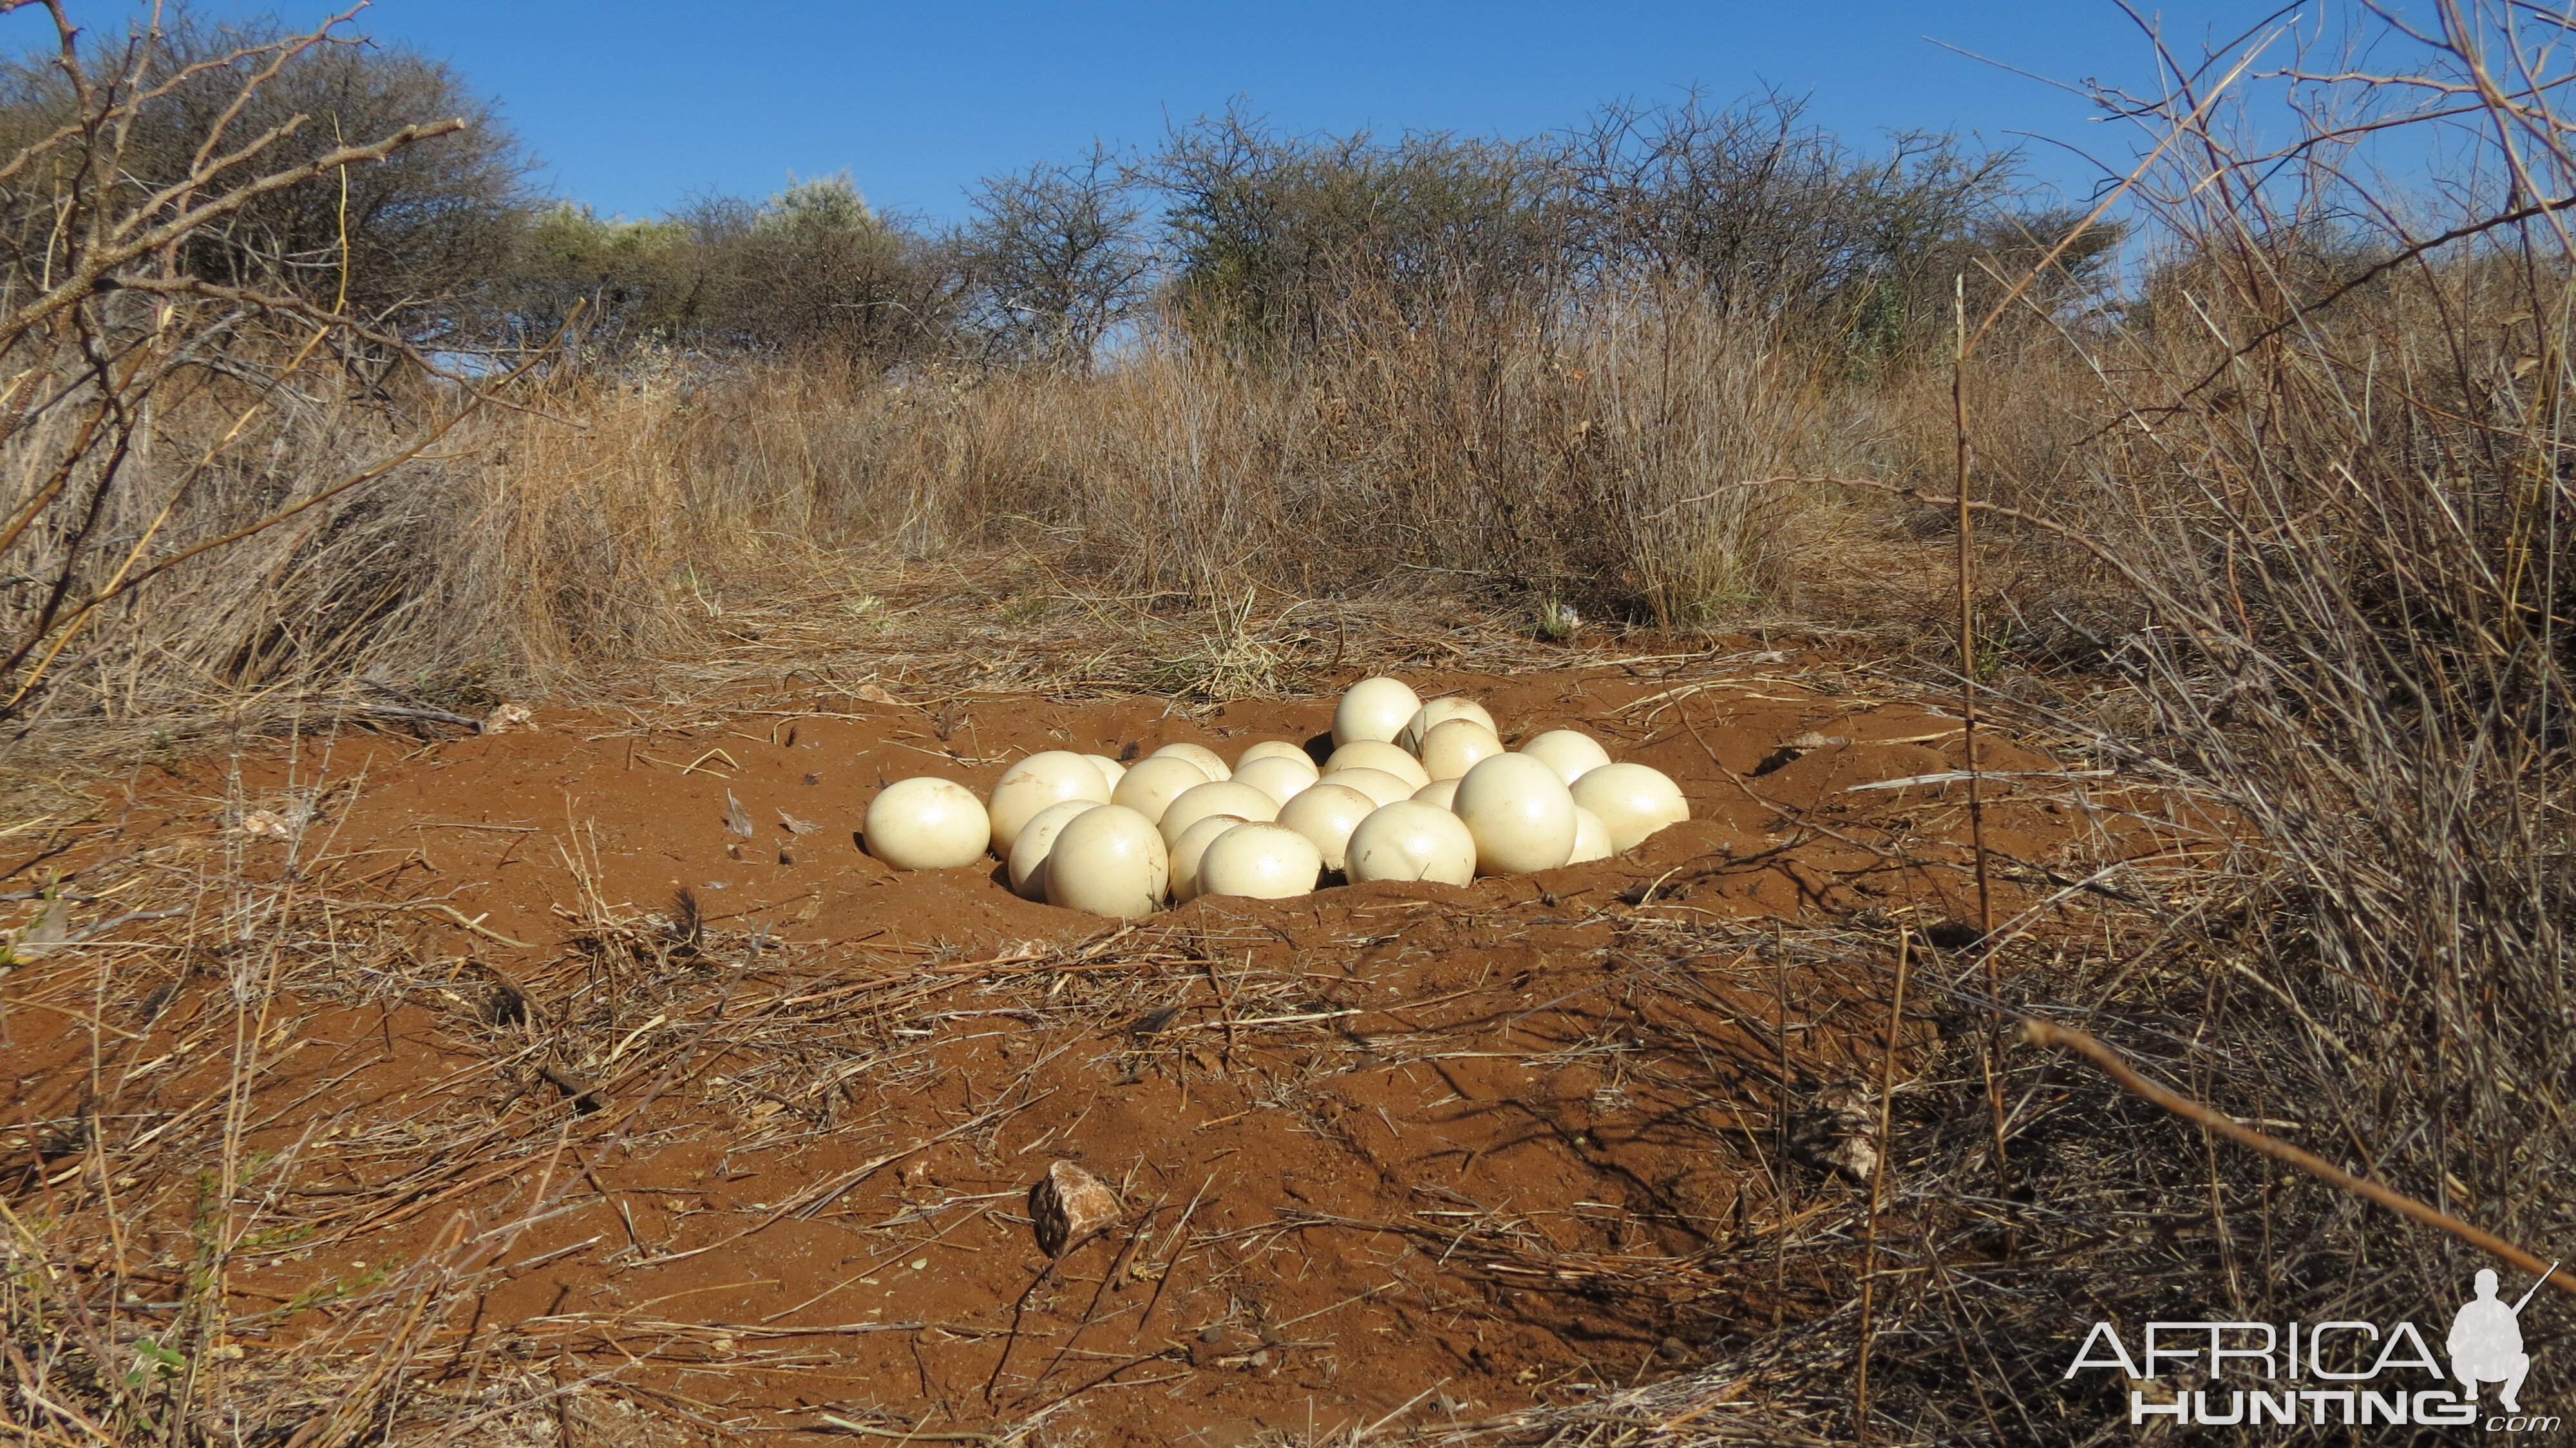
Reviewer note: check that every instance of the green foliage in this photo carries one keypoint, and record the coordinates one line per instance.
(637, 280)
(819, 209)
(154, 1364)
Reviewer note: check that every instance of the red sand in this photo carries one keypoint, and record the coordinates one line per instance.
(1464, 1149)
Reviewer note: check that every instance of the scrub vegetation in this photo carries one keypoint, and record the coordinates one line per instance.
(314, 413)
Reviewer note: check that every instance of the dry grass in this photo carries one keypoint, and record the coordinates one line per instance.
(2295, 549)
(601, 528)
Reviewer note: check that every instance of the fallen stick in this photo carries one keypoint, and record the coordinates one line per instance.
(2047, 1033)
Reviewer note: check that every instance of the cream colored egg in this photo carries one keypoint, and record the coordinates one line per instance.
(1374, 709)
(1027, 855)
(1570, 752)
(1633, 801)
(1216, 797)
(1276, 777)
(1373, 754)
(1326, 814)
(1108, 861)
(1591, 838)
(1275, 749)
(1380, 786)
(1150, 787)
(1435, 712)
(1189, 847)
(927, 823)
(1410, 840)
(1260, 861)
(1442, 793)
(1110, 769)
(1519, 812)
(1070, 770)
(1036, 782)
(1455, 746)
(1210, 763)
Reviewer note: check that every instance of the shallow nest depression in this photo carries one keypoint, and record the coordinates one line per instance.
(504, 1088)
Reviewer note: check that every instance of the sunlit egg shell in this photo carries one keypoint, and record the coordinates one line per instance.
(1108, 861)
(1073, 771)
(1440, 792)
(1152, 784)
(1189, 847)
(1027, 859)
(1632, 800)
(1380, 786)
(1278, 778)
(927, 823)
(1570, 752)
(1520, 814)
(1374, 709)
(1410, 840)
(1434, 713)
(1110, 769)
(1380, 756)
(1210, 763)
(1327, 813)
(1017, 801)
(1455, 746)
(1274, 749)
(1260, 861)
(1216, 797)
(1591, 838)
(1036, 782)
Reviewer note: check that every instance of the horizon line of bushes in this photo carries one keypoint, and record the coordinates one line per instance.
(1229, 228)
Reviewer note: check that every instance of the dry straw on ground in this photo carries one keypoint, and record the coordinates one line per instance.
(2288, 538)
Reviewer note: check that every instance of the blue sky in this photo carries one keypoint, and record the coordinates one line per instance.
(634, 105)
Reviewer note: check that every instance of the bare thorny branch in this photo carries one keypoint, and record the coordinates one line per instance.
(114, 322)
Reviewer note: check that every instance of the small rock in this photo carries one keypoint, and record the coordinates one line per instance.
(262, 824)
(1070, 1206)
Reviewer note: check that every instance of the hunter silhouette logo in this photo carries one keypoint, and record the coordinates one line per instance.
(2344, 1373)
(2486, 1341)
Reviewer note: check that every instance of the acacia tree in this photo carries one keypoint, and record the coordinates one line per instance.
(816, 267)
(1055, 260)
(1269, 233)
(408, 241)
(109, 305)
